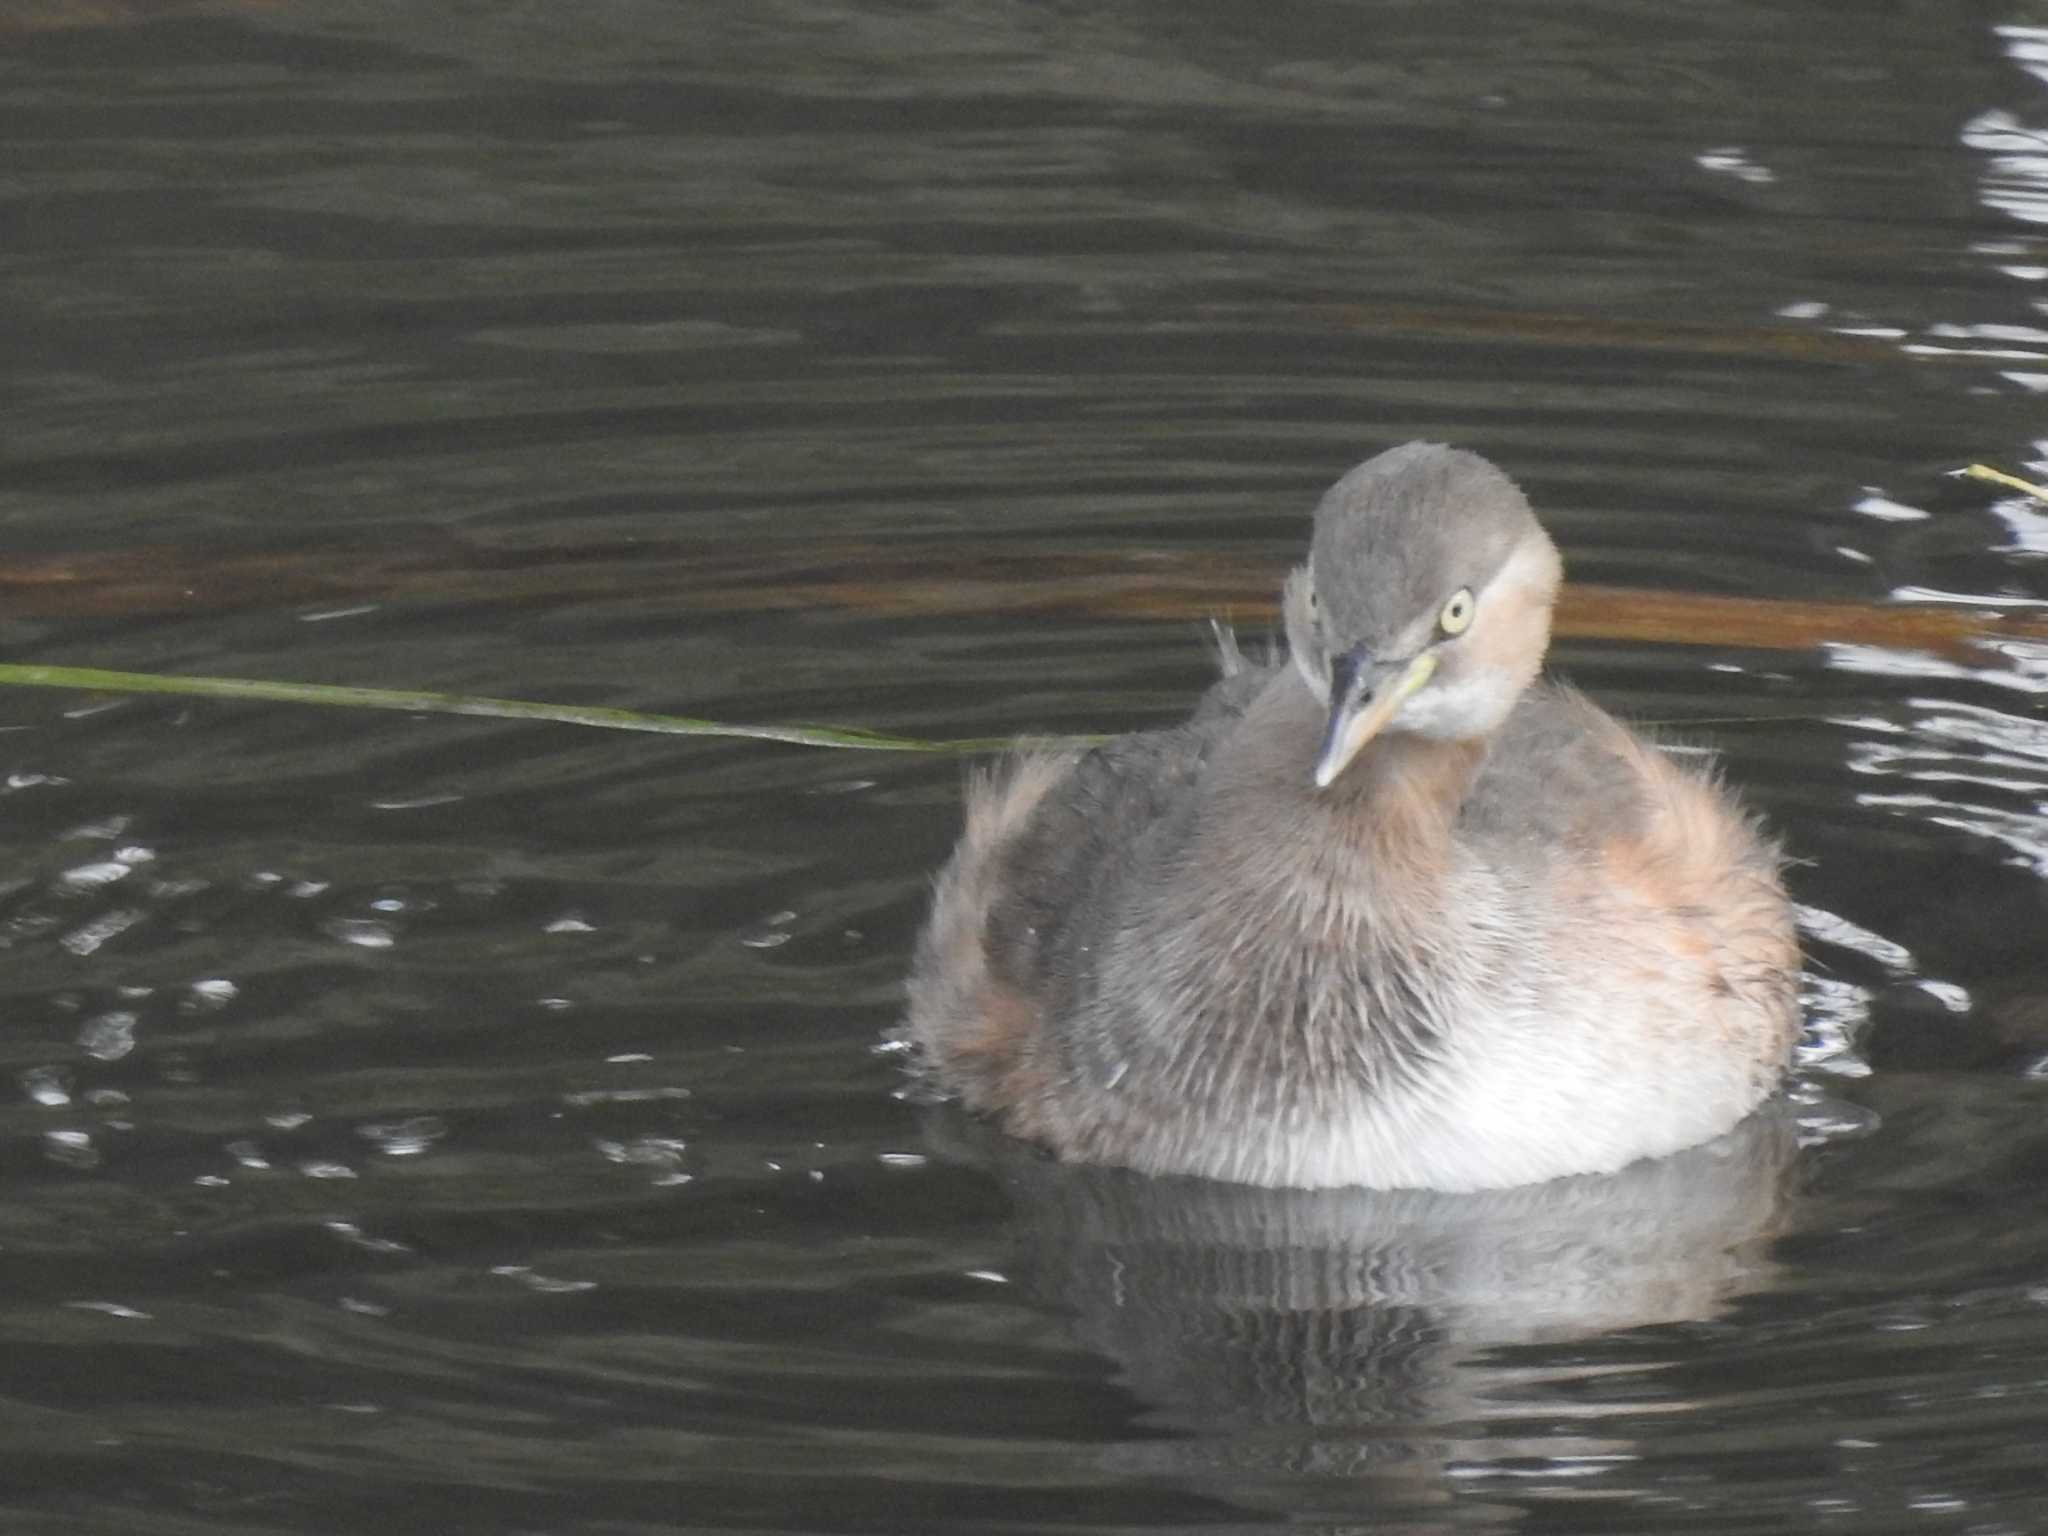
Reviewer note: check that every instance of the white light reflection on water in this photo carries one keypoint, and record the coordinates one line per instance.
(2028, 675)
(2027, 521)
(2015, 179)
(2026, 47)
(1880, 506)
(1967, 767)
(1837, 1009)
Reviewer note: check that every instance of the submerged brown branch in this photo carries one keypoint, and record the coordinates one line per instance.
(907, 579)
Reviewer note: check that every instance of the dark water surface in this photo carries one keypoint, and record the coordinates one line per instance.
(445, 1125)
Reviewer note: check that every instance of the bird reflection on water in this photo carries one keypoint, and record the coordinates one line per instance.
(1392, 913)
(1374, 1341)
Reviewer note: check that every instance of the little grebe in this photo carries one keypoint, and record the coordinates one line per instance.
(1393, 912)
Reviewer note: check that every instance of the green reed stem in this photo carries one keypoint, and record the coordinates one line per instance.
(413, 701)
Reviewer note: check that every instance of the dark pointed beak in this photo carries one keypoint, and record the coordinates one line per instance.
(1364, 695)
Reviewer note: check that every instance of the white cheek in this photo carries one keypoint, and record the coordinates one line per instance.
(1472, 699)
(1318, 682)
(1469, 706)
(1304, 641)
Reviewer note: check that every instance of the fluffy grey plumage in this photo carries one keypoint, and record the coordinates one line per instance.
(1390, 914)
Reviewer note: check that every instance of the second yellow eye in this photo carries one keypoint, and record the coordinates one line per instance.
(1457, 615)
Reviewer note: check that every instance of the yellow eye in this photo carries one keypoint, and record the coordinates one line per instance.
(1457, 615)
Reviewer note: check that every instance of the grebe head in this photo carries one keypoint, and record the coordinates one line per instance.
(1425, 603)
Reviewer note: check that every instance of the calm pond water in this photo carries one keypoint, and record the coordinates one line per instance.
(448, 1125)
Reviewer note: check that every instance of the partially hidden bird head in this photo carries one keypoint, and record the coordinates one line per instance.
(1425, 603)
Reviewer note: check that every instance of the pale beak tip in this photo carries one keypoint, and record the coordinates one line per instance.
(1349, 731)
